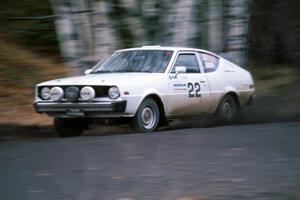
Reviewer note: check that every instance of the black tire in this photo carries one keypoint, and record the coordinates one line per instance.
(228, 111)
(147, 117)
(68, 127)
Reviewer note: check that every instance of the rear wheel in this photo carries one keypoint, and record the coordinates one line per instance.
(68, 127)
(228, 111)
(147, 117)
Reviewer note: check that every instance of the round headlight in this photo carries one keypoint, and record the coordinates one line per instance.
(113, 92)
(56, 93)
(87, 93)
(45, 93)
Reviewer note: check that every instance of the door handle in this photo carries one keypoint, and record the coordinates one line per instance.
(201, 81)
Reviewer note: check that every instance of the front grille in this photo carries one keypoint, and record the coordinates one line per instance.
(101, 91)
(72, 93)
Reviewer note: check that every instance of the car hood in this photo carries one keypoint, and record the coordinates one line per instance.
(100, 79)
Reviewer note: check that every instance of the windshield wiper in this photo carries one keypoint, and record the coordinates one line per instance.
(143, 71)
(146, 71)
(102, 71)
(123, 71)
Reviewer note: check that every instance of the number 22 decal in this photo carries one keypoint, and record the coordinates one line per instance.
(194, 87)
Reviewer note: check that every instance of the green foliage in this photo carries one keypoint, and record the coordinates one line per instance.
(37, 34)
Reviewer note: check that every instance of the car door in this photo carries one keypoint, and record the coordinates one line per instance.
(189, 91)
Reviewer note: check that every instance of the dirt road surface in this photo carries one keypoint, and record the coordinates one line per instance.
(244, 162)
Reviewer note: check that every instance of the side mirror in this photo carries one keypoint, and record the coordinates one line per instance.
(178, 70)
(86, 72)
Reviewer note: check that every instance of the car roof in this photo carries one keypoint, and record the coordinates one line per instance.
(167, 48)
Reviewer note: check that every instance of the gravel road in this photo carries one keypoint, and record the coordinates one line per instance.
(244, 162)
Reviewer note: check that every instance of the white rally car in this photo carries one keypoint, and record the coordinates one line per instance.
(146, 87)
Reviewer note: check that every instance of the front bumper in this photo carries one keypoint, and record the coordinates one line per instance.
(80, 108)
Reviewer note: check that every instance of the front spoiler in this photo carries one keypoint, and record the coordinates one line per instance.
(80, 108)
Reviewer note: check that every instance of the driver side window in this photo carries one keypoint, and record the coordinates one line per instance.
(189, 61)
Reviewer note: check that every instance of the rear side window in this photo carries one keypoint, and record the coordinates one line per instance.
(210, 62)
(189, 61)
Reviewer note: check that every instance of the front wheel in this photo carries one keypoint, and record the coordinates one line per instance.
(147, 117)
(228, 111)
(68, 127)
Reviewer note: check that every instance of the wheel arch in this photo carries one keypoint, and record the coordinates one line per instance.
(235, 95)
(160, 104)
(219, 116)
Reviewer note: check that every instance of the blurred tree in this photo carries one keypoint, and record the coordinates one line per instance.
(90, 28)
(119, 15)
(29, 23)
(201, 20)
(275, 31)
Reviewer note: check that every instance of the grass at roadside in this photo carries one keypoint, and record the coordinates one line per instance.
(278, 95)
(20, 70)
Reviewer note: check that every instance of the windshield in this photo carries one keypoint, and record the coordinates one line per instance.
(152, 61)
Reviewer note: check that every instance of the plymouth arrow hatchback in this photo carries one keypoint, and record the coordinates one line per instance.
(146, 87)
